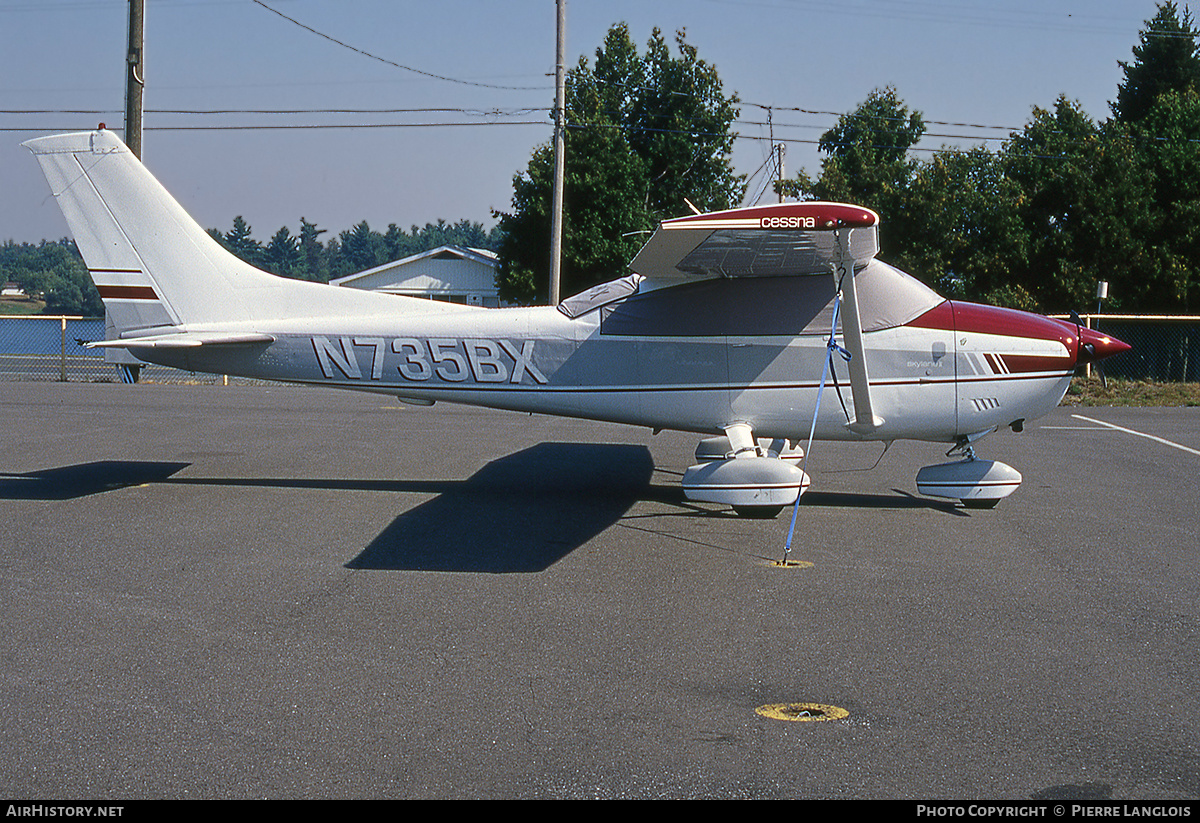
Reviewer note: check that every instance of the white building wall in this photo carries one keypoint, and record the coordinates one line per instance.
(455, 275)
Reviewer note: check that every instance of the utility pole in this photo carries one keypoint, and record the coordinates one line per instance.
(135, 78)
(776, 152)
(560, 152)
(126, 363)
(780, 148)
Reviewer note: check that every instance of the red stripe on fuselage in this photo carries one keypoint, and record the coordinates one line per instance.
(1020, 363)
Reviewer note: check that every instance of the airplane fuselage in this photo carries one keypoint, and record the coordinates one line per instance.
(958, 369)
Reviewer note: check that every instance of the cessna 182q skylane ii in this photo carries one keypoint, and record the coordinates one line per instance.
(725, 328)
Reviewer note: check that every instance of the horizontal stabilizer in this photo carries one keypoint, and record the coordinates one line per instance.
(184, 340)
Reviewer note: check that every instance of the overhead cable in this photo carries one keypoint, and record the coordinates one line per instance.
(392, 62)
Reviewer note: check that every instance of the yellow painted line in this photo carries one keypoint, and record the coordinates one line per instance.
(802, 712)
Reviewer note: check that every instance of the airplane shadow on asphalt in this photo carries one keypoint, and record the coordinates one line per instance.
(519, 513)
(526, 511)
(83, 479)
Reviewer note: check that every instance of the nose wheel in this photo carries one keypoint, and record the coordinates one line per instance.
(979, 484)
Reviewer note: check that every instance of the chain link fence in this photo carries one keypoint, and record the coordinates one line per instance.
(52, 348)
(1165, 349)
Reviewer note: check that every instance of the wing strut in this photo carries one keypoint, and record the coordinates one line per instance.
(854, 353)
(865, 420)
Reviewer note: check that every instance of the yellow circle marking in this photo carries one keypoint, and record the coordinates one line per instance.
(791, 564)
(802, 711)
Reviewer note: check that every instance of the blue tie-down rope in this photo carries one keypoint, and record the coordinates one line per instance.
(830, 348)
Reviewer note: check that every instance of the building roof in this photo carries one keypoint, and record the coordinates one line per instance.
(484, 257)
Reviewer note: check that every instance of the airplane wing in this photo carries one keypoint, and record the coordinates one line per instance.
(762, 241)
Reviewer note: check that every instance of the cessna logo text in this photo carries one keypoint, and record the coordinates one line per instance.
(448, 358)
(787, 223)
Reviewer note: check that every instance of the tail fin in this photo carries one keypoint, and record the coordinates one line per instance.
(155, 267)
(152, 264)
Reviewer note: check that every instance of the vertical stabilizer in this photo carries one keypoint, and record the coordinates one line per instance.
(152, 264)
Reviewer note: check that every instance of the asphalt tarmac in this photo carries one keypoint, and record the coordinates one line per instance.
(240, 592)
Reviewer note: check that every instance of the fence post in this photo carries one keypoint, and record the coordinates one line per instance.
(1087, 370)
(62, 359)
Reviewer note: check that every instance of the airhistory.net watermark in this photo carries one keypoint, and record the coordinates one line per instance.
(49, 810)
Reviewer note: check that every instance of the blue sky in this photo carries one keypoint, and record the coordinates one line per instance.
(957, 61)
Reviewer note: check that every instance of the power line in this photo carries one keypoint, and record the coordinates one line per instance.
(839, 114)
(303, 126)
(475, 123)
(954, 13)
(425, 110)
(392, 63)
(518, 112)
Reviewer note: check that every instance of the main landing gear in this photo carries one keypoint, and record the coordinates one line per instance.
(757, 477)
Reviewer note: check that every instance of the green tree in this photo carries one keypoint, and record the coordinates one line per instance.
(1167, 59)
(240, 241)
(398, 243)
(1085, 206)
(362, 248)
(1159, 105)
(55, 271)
(463, 233)
(868, 163)
(645, 131)
(1168, 142)
(282, 254)
(604, 195)
(679, 125)
(971, 242)
(314, 261)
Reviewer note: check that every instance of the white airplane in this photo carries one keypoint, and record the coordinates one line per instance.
(728, 327)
